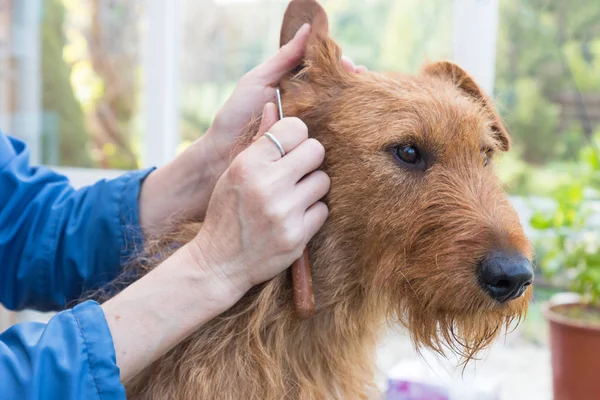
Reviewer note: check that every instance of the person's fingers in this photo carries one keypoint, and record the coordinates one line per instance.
(270, 116)
(289, 56)
(312, 188)
(305, 158)
(348, 64)
(289, 132)
(314, 218)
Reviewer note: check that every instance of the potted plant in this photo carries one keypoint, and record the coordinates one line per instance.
(569, 253)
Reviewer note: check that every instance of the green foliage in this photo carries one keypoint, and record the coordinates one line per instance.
(572, 249)
(415, 32)
(64, 123)
(199, 106)
(524, 179)
(389, 35)
(546, 48)
(532, 120)
(359, 27)
(584, 62)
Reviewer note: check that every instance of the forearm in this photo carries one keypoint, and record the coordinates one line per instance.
(182, 188)
(163, 308)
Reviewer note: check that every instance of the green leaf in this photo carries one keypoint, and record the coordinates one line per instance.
(539, 221)
(589, 155)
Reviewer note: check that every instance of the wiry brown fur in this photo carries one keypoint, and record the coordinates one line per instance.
(399, 245)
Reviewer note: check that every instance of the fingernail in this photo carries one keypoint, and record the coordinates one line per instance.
(302, 29)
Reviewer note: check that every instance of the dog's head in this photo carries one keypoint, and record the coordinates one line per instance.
(419, 222)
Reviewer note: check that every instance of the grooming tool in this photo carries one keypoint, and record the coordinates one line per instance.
(304, 298)
(279, 106)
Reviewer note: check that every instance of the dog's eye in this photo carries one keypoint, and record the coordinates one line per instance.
(409, 155)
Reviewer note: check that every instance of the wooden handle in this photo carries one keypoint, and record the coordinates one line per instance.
(304, 298)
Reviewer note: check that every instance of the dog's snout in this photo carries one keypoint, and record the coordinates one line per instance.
(505, 276)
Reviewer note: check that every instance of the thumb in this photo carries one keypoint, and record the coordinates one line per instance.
(270, 116)
(289, 56)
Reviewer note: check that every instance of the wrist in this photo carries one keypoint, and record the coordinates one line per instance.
(175, 299)
(209, 280)
(218, 149)
(180, 189)
(229, 276)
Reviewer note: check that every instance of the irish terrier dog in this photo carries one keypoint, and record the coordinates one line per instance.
(420, 232)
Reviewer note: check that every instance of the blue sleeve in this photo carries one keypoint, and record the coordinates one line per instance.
(57, 242)
(72, 357)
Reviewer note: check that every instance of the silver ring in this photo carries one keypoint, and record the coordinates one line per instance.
(276, 142)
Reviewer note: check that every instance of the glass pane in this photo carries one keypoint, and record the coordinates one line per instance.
(548, 88)
(224, 39)
(71, 79)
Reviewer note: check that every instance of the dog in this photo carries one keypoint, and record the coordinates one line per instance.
(420, 232)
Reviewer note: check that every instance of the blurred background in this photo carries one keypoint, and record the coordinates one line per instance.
(100, 86)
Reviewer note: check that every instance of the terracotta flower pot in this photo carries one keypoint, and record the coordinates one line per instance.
(575, 350)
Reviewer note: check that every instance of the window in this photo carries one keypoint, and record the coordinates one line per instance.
(235, 36)
(71, 80)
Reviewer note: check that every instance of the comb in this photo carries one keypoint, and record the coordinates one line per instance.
(304, 297)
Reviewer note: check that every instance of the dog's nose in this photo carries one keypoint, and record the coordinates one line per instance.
(505, 276)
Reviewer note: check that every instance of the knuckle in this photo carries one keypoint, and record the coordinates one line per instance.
(286, 53)
(291, 239)
(323, 208)
(296, 253)
(276, 213)
(262, 194)
(316, 148)
(324, 180)
(295, 125)
(240, 168)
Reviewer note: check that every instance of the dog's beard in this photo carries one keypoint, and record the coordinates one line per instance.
(464, 334)
(459, 320)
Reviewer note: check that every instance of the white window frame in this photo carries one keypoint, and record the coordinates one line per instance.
(26, 48)
(162, 52)
(161, 65)
(160, 106)
(475, 38)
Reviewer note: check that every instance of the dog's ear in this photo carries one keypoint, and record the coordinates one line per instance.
(323, 57)
(459, 77)
(300, 12)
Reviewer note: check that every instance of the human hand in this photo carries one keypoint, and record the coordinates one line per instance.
(257, 88)
(184, 186)
(265, 208)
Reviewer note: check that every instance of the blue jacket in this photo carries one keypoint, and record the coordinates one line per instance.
(55, 244)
